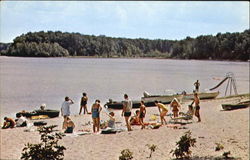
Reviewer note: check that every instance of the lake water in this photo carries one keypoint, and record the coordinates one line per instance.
(26, 83)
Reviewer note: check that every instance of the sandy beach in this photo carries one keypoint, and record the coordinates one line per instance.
(229, 128)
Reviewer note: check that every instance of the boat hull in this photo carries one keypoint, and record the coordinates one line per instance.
(202, 95)
(235, 106)
(48, 112)
(165, 99)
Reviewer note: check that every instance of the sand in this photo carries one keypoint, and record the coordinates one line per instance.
(229, 128)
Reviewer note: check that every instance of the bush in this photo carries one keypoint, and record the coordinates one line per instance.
(47, 149)
(126, 155)
(183, 146)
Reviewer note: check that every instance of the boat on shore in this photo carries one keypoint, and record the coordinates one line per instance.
(119, 104)
(202, 95)
(243, 104)
(47, 112)
(165, 99)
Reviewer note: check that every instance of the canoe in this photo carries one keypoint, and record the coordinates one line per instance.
(48, 112)
(165, 99)
(240, 105)
(202, 95)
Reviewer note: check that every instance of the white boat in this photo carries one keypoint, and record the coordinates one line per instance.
(165, 99)
(201, 95)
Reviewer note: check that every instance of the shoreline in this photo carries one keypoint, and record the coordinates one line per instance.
(156, 58)
(229, 128)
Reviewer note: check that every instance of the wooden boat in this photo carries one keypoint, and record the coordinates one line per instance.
(50, 113)
(165, 99)
(202, 95)
(239, 105)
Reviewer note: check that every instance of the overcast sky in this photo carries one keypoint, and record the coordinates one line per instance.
(133, 19)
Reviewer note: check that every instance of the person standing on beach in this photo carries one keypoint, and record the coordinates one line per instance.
(163, 111)
(65, 109)
(96, 108)
(175, 105)
(197, 85)
(83, 104)
(196, 102)
(142, 114)
(127, 107)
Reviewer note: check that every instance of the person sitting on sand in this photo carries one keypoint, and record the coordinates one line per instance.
(68, 125)
(21, 121)
(135, 120)
(163, 111)
(9, 123)
(175, 105)
(189, 113)
(142, 114)
(96, 108)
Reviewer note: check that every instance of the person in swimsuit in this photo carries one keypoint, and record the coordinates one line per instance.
(9, 123)
(175, 105)
(163, 111)
(142, 114)
(197, 85)
(68, 125)
(127, 107)
(96, 108)
(83, 104)
(135, 120)
(196, 102)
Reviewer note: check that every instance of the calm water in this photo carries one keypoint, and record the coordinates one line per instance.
(26, 83)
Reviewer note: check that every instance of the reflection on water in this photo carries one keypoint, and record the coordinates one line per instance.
(26, 83)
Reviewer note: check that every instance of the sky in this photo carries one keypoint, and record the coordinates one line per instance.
(172, 20)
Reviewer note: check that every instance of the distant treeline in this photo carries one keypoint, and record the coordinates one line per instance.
(227, 46)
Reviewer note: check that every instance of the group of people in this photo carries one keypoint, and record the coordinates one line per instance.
(96, 108)
(21, 121)
(68, 124)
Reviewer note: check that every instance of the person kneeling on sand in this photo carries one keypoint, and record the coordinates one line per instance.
(68, 125)
(9, 123)
(111, 121)
(163, 111)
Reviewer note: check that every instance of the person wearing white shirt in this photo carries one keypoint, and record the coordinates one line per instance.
(65, 109)
(21, 121)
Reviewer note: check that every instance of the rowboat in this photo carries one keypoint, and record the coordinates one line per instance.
(165, 99)
(239, 105)
(202, 95)
(48, 112)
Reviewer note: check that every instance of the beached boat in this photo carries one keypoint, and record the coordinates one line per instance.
(165, 99)
(48, 112)
(119, 104)
(239, 105)
(202, 95)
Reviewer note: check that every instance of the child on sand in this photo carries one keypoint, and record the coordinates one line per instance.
(68, 125)
(135, 120)
(142, 114)
(175, 105)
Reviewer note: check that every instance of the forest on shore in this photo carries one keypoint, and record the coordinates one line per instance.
(222, 46)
